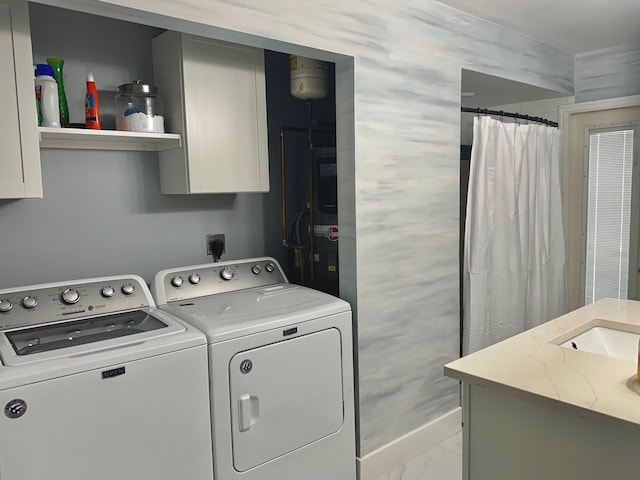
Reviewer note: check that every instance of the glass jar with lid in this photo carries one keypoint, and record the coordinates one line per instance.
(138, 108)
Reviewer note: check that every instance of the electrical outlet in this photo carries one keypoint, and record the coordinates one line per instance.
(215, 236)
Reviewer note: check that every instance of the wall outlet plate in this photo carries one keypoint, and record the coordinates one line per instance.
(215, 236)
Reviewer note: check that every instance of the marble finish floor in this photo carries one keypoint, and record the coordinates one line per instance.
(442, 462)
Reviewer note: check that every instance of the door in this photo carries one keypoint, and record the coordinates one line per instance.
(579, 129)
(284, 396)
(20, 158)
(610, 223)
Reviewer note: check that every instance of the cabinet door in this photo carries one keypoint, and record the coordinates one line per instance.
(222, 115)
(20, 157)
(225, 116)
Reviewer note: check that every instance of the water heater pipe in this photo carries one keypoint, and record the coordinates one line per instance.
(310, 198)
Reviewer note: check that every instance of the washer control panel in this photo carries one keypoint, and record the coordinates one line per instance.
(210, 279)
(55, 302)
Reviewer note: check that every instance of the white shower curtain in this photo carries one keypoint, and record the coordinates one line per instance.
(514, 250)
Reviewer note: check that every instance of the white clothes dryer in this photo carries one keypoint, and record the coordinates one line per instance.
(280, 366)
(96, 383)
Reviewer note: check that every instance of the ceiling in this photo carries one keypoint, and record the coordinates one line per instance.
(574, 26)
(482, 90)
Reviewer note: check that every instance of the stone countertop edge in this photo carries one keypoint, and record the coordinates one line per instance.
(534, 367)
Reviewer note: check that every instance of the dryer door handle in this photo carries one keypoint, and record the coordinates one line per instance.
(248, 411)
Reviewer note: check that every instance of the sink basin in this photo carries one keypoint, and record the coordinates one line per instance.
(606, 341)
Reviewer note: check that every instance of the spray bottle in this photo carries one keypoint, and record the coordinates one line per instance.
(91, 113)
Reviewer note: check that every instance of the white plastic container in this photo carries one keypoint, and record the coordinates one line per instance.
(308, 78)
(47, 97)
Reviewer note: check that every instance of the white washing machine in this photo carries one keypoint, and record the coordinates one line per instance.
(280, 366)
(96, 383)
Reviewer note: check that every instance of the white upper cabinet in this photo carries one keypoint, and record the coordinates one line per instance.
(214, 107)
(214, 96)
(20, 175)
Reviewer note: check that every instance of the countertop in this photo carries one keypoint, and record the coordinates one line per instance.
(533, 366)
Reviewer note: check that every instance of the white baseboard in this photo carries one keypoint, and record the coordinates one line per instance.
(377, 463)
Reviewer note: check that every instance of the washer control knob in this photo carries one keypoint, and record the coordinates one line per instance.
(29, 302)
(70, 296)
(194, 278)
(226, 273)
(270, 267)
(177, 281)
(128, 288)
(108, 291)
(5, 306)
(256, 269)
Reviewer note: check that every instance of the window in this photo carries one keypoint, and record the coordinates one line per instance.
(610, 236)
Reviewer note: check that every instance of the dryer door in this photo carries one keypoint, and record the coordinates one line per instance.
(284, 396)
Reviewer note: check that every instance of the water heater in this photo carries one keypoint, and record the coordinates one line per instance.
(325, 219)
(308, 77)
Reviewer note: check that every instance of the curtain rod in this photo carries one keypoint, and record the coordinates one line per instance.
(484, 111)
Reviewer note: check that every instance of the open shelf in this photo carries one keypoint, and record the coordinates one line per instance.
(77, 138)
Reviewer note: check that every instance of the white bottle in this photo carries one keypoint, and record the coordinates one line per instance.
(47, 96)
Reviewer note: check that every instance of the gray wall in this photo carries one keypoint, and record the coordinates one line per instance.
(399, 189)
(103, 214)
(608, 73)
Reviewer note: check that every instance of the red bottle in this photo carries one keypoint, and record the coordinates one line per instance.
(91, 115)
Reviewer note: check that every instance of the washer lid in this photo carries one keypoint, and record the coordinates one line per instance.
(230, 315)
(82, 337)
(29, 341)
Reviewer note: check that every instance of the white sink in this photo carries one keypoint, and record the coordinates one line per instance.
(606, 341)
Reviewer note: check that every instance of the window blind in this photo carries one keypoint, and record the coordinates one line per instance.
(608, 215)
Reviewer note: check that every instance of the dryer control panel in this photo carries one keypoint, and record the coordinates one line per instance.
(178, 284)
